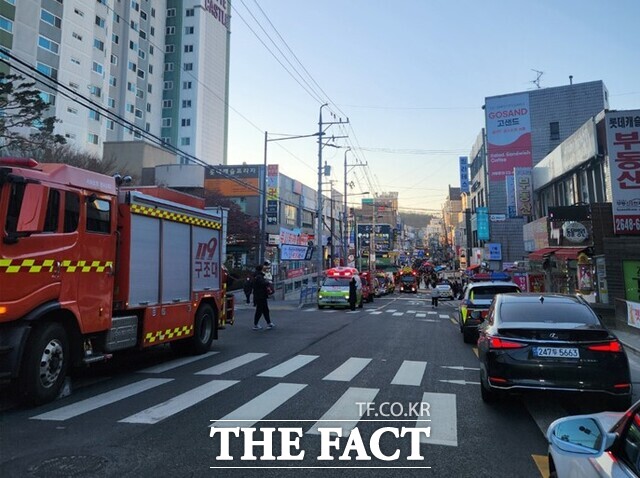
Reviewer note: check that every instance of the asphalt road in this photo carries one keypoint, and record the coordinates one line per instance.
(150, 414)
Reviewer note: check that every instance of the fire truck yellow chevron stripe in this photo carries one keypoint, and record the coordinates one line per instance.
(167, 334)
(11, 266)
(174, 216)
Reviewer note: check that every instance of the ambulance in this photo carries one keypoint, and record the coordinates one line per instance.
(334, 289)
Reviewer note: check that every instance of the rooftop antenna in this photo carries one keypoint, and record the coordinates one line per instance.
(538, 76)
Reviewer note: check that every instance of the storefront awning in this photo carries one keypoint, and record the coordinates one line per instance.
(540, 254)
(568, 253)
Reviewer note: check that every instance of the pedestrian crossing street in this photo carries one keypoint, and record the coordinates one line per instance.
(342, 413)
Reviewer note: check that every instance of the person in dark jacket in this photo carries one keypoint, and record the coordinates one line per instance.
(261, 288)
(353, 290)
(248, 288)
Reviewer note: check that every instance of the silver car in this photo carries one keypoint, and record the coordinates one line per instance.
(599, 445)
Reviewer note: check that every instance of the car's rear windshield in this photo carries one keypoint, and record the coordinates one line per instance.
(330, 281)
(490, 291)
(408, 279)
(547, 312)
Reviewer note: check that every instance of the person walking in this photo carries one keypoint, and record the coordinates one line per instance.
(261, 288)
(248, 288)
(353, 291)
(434, 297)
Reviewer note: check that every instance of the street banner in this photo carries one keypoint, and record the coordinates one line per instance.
(524, 191)
(464, 174)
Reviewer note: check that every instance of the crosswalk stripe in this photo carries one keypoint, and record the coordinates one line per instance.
(231, 364)
(346, 412)
(421, 315)
(178, 403)
(392, 310)
(289, 366)
(348, 370)
(375, 312)
(397, 314)
(163, 367)
(256, 409)
(431, 312)
(411, 311)
(410, 373)
(107, 398)
(443, 419)
(443, 316)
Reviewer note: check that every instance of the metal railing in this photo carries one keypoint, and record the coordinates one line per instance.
(308, 295)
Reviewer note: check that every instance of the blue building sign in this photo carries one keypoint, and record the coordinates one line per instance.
(483, 223)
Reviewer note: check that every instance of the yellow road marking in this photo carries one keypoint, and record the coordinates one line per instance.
(453, 321)
(475, 351)
(542, 463)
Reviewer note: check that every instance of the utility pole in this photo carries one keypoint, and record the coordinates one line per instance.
(320, 210)
(345, 231)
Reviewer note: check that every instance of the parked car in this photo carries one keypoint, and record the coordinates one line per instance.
(598, 445)
(444, 291)
(550, 342)
(477, 296)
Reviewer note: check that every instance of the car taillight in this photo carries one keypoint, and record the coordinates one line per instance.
(613, 346)
(498, 343)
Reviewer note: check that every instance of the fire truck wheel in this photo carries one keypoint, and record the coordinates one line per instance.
(45, 364)
(203, 329)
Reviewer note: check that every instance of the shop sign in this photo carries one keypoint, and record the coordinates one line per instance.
(575, 232)
(494, 251)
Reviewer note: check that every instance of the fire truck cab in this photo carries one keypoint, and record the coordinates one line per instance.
(408, 280)
(88, 269)
(334, 290)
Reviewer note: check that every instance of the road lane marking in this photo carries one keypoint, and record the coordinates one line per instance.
(431, 312)
(175, 363)
(453, 321)
(409, 373)
(107, 398)
(348, 370)
(177, 404)
(475, 351)
(443, 316)
(346, 412)
(542, 462)
(443, 419)
(398, 314)
(411, 311)
(291, 365)
(375, 312)
(256, 409)
(421, 315)
(392, 310)
(231, 364)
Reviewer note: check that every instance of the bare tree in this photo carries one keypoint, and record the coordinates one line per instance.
(24, 109)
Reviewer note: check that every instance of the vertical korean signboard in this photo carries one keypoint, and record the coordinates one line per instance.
(508, 134)
(623, 144)
(272, 194)
(464, 174)
(523, 191)
(483, 223)
(511, 195)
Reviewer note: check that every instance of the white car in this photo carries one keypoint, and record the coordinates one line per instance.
(599, 445)
(444, 291)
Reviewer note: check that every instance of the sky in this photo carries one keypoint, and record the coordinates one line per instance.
(411, 76)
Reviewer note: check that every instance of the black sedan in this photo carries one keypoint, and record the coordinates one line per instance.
(550, 342)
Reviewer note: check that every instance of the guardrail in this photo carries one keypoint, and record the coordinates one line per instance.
(308, 295)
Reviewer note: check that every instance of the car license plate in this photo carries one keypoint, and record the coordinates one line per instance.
(556, 352)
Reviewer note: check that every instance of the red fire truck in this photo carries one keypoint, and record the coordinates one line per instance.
(88, 268)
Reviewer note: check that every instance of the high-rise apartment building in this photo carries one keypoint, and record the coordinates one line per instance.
(161, 66)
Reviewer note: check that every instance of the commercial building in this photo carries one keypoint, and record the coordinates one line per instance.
(520, 130)
(162, 66)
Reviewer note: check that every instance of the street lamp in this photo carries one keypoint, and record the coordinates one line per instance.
(263, 200)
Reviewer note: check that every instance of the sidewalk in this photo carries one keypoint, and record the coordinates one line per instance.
(629, 336)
